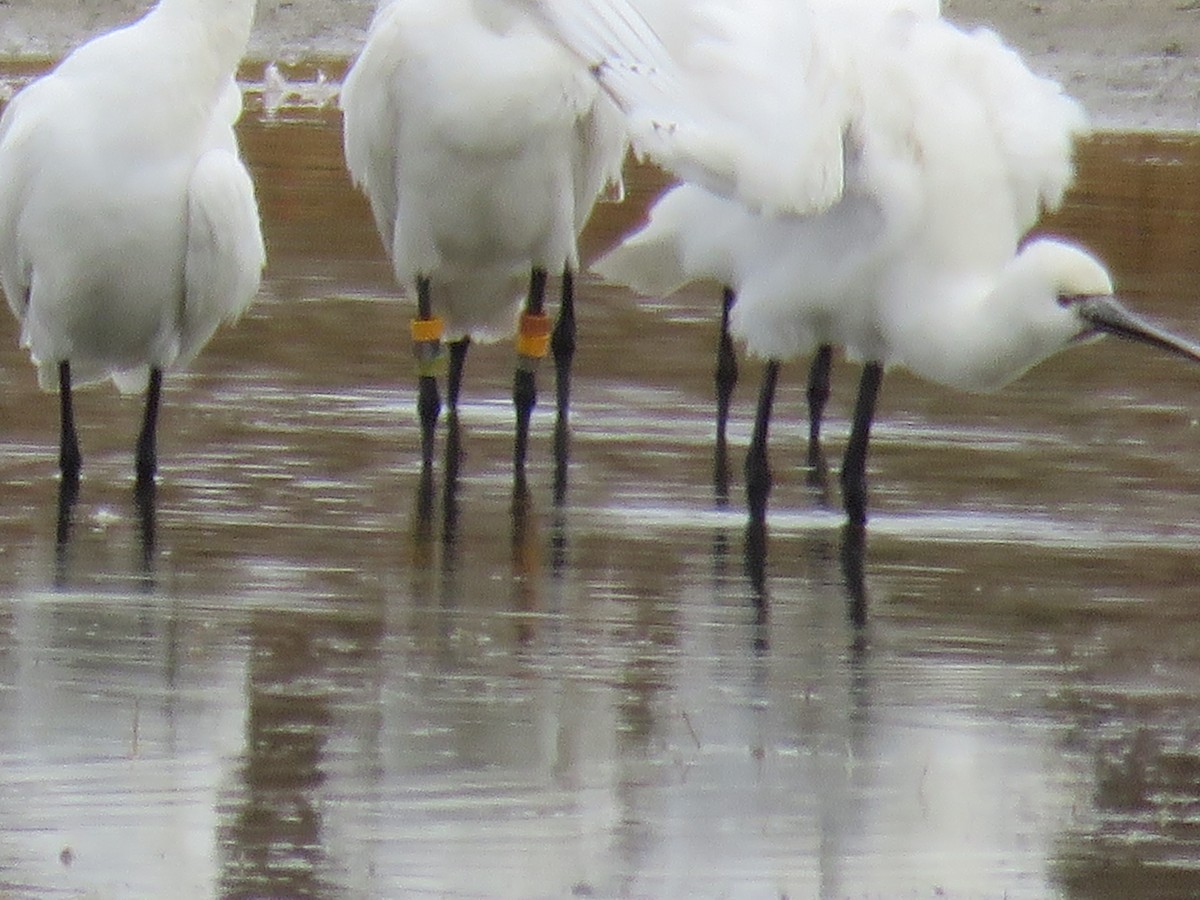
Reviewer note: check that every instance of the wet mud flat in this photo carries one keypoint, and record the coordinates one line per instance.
(308, 684)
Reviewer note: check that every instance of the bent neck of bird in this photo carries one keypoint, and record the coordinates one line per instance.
(979, 337)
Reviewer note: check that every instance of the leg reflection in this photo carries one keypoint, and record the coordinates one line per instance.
(68, 494)
(754, 555)
(423, 542)
(852, 558)
(145, 499)
(526, 560)
(270, 833)
(854, 551)
(558, 542)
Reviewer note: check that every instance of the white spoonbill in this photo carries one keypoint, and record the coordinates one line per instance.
(866, 172)
(482, 147)
(128, 225)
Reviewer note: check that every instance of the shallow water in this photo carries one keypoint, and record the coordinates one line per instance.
(304, 687)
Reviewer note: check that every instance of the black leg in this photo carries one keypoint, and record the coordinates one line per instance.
(726, 377)
(147, 454)
(450, 485)
(427, 346)
(454, 456)
(532, 343)
(854, 466)
(69, 459)
(562, 345)
(458, 358)
(758, 469)
(818, 396)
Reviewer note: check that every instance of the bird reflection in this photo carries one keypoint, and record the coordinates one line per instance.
(852, 557)
(68, 495)
(270, 831)
(562, 442)
(145, 500)
(424, 508)
(754, 558)
(526, 559)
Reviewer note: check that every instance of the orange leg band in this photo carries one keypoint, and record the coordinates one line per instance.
(533, 338)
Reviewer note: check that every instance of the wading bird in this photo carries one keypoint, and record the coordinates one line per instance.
(128, 224)
(482, 147)
(869, 172)
(694, 235)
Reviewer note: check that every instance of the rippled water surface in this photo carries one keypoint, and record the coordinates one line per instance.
(297, 680)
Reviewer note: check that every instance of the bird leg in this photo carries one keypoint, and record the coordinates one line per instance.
(69, 459)
(854, 465)
(758, 469)
(818, 396)
(533, 341)
(853, 556)
(458, 357)
(147, 456)
(562, 344)
(725, 376)
(427, 347)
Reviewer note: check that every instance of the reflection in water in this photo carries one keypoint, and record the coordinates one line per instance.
(273, 839)
(330, 675)
(68, 495)
(145, 498)
(853, 559)
(270, 840)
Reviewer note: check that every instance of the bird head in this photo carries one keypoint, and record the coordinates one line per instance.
(1052, 295)
(1084, 289)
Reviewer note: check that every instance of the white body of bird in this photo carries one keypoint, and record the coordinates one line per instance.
(128, 224)
(482, 147)
(872, 171)
(951, 149)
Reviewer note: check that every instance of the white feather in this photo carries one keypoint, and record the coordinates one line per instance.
(124, 210)
(951, 148)
(482, 146)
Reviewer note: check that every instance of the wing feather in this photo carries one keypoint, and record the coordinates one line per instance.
(747, 102)
(225, 251)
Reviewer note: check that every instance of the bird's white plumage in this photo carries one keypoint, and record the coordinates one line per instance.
(128, 225)
(951, 148)
(719, 92)
(482, 146)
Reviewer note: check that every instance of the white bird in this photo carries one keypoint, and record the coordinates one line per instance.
(128, 224)
(482, 146)
(862, 174)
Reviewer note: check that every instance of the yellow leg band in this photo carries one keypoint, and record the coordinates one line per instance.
(427, 329)
(427, 347)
